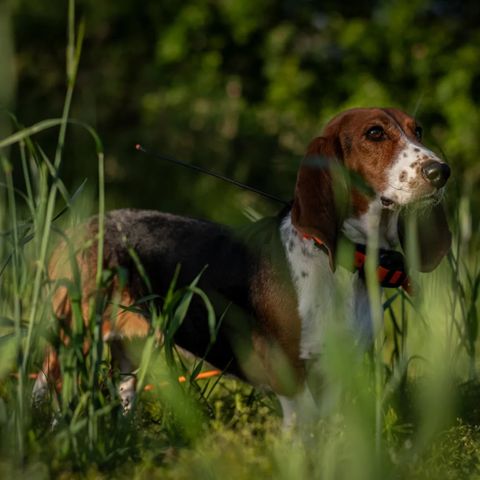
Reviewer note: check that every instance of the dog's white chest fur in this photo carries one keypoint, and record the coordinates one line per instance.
(323, 296)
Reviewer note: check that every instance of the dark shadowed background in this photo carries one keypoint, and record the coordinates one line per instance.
(237, 86)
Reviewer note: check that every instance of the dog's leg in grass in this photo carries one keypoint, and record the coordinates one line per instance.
(128, 380)
(40, 390)
(47, 376)
(126, 390)
(297, 410)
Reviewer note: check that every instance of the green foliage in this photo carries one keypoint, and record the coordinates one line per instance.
(241, 87)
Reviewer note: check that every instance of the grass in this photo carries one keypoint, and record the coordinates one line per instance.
(408, 409)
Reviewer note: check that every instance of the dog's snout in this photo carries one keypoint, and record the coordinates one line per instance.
(436, 173)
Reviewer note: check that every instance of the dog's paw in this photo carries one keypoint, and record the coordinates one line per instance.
(127, 393)
(41, 392)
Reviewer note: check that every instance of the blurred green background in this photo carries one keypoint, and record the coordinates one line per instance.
(239, 86)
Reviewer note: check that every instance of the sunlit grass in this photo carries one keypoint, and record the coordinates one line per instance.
(404, 407)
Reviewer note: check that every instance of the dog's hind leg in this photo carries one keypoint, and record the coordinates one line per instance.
(47, 377)
(50, 374)
(128, 380)
(119, 330)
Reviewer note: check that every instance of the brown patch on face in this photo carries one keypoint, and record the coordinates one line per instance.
(407, 123)
(372, 159)
(347, 144)
(403, 176)
(414, 164)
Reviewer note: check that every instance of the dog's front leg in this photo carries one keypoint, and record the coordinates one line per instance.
(298, 409)
(127, 391)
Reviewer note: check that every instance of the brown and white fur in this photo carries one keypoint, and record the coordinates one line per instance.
(280, 300)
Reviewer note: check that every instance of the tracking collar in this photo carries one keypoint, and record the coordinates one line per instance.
(391, 272)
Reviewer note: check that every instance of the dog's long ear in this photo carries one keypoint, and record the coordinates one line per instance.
(432, 234)
(316, 210)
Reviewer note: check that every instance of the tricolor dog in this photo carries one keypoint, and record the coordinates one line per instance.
(277, 279)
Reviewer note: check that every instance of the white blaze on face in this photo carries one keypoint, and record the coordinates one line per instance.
(405, 180)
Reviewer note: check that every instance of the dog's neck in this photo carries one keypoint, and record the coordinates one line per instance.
(361, 228)
(319, 289)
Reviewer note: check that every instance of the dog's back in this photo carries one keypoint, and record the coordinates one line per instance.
(142, 251)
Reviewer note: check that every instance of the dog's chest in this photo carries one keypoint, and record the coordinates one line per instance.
(325, 299)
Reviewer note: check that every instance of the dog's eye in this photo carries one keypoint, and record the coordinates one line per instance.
(375, 133)
(419, 132)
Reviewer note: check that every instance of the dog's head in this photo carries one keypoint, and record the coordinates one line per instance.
(387, 165)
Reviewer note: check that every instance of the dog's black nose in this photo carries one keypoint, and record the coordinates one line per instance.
(436, 173)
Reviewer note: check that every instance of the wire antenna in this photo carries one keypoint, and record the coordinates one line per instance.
(206, 171)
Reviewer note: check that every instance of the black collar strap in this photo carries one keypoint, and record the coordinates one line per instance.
(391, 265)
(390, 270)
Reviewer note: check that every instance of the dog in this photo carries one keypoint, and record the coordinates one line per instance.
(276, 280)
